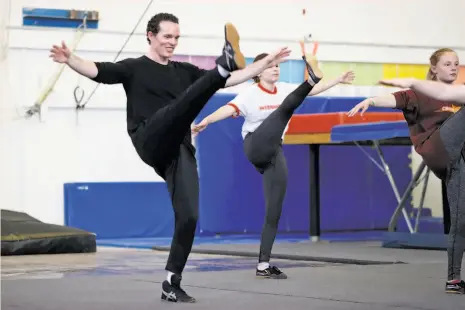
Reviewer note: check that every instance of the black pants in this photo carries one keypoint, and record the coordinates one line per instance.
(161, 143)
(263, 148)
(452, 133)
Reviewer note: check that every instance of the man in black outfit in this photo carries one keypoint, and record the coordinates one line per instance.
(163, 99)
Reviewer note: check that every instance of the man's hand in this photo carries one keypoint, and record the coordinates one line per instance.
(60, 54)
(254, 69)
(277, 57)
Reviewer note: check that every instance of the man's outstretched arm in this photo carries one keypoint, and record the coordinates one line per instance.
(82, 66)
(102, 72)
(254, 69)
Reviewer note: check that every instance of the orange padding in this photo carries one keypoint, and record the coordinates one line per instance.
(324, 122)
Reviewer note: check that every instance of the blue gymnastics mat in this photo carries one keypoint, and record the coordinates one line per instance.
(148, 243)
(419, 241)
(369, 131)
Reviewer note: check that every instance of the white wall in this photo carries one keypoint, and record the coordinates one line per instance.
(38, 157)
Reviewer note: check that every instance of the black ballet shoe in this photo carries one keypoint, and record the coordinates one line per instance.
(314, 73)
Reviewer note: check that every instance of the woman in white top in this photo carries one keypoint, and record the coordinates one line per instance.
(267, 107)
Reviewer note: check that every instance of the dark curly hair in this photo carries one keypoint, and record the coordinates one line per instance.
(154, 23)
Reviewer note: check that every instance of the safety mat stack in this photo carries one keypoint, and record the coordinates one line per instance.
(23, 234)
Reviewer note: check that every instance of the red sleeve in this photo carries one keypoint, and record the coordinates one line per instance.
(236, 108)
(405, 100)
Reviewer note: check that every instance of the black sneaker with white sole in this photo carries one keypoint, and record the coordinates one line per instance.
(455, 287)
(232, 58)
(173, 292)
(271, 272)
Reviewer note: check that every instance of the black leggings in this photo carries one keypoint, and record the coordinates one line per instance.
(157, 141)
(161, 143)
(452, 133)
(183, 185)
(263, 148)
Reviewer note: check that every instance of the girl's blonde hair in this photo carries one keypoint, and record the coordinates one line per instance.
(434, 59)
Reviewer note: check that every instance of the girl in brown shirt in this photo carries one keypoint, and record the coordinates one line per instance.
(437, 131)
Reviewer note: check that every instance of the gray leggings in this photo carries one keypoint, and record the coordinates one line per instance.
(264, 150)
(452, 133)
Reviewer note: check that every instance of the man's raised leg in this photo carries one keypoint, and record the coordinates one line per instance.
(169, 125)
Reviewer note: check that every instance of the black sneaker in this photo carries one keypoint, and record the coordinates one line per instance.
(455, 287)
(271, 272)
(232, 58)
(314, 72)
(173, 292)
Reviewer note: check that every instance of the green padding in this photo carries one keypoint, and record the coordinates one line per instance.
(21, 226)
(366, 73)
(22, 234)
(18, 237)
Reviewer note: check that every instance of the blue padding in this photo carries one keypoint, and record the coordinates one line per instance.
(231, 194)
(355, 194)
(313, 104)
(119, 210)
(231, 190)
(405, 240)
(57, 23)
(369, 131)
(291, 71)
(55, 18)
(50, 13)
(149, 243)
